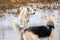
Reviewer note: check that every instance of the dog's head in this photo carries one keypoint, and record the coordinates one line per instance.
(30, 10)
(27, 10)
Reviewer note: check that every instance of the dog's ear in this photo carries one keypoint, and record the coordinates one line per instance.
(20, 8)
(46, 18)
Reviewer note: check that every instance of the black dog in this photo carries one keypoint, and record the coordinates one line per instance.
(41, 31)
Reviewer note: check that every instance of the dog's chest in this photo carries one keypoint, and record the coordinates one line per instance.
(26, 17)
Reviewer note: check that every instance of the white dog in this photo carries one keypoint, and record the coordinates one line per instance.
(23, 18)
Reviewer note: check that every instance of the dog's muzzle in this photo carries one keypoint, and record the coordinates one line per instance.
(34, 13)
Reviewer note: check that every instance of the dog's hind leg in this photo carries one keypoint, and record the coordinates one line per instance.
(21, 37)
(29, 36)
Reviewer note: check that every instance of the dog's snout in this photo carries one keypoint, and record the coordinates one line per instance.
(34, 13)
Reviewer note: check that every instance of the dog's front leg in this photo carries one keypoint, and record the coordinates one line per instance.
(22, 34)
(52, 34)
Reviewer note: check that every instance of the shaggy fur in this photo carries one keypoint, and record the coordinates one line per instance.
(24, 16)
